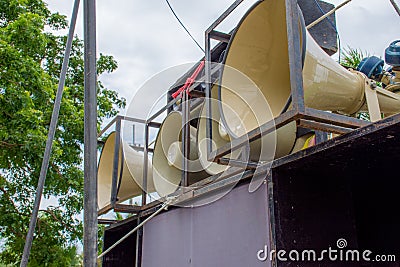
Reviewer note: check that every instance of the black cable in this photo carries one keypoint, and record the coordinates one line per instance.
(180, 22)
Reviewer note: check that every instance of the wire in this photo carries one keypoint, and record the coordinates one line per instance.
(333, 26)
(164, 206)
(180, 22)
(395, 6)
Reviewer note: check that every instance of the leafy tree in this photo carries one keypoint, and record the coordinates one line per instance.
(30, 64)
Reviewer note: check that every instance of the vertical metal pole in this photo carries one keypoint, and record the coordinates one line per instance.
(90, 137)
(208, 93)
(145, 163)
(133, 134)
(139, 243)
(139, 233)
(50, 137)
(185, 139)
(115, 162)
(295, 56)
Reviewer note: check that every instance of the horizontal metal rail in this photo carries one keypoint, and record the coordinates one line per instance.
(253, 135)
(320, 126)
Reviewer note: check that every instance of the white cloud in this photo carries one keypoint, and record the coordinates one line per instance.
(145, 38)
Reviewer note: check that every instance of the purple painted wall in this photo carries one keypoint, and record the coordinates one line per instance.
(228, 232)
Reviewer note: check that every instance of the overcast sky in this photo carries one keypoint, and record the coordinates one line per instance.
(145, 38)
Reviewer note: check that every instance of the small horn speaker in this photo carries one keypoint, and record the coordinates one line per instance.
(130, 173)
(168, 155)
(258, 49)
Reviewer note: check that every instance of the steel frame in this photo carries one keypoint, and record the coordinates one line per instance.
(305, 117)
(310, 118)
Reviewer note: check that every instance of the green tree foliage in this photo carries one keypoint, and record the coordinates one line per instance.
(30, 64)
(351, 57)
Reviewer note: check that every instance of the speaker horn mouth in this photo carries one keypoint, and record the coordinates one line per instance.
(129, 175)
(276, 73)
(168, 155)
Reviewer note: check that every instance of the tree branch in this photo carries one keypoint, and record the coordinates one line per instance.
(60, 221)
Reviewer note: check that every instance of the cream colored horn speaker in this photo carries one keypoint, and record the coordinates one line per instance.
(130, 178)
(258, 48)
(167, 158)
(219, 136)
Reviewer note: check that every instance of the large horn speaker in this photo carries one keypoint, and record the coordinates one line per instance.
(130, 177)
(258, 48)
(167, 158)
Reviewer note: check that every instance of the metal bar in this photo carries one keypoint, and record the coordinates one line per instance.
(141, 148)
(395, 6)
(145, 163)
(165, 205)
(185, 139)
(119, 117)
(295, 55)
(90, 145)
(116, 160)
(104, 210)
(255, 134)
(220, 36)
(194, 103)
(160, 111)
(323, 127)
(125, 118)
(239, 163)
(133, 134)
(106, 221)
(50, 138)
(107, 126)
(271, 212)
(332, 118)
(315, 22)
(223, 15)
(154, 124)
(126, 208)
(139, 245)
(207, 73)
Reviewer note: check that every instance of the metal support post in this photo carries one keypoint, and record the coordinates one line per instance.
(139, 244)
(116, 160)
(295, 58)
(133, 134)
(208, 60)
(145, 163)
(207, 70)
(90, 137)
(185, 139)
(50, 137)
